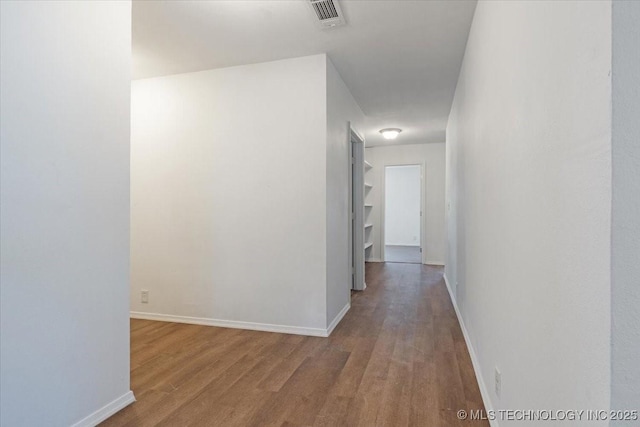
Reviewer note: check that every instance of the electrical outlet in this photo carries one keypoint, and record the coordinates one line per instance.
(498, 382)
(144, 296)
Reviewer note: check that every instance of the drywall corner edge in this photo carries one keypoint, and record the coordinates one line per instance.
(338, 318)
(484, 392)
(106, 411)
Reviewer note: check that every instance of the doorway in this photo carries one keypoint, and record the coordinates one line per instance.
(356, 210)
(403, 214)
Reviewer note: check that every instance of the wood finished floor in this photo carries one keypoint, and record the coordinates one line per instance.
(398, 358)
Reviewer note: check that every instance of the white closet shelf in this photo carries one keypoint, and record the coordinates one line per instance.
(368, 225)
(367, 165)
(368, 206)
(368, 185)
(368, 245)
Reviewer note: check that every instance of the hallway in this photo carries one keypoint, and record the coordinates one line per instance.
(397, 358)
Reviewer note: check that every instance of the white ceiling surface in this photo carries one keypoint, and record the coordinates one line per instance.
(400, 59)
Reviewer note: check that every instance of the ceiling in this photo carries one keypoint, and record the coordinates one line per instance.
(400, 59)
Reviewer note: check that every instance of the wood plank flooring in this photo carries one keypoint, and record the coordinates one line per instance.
(398, 358)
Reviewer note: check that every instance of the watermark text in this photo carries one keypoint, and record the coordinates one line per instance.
(549, 415)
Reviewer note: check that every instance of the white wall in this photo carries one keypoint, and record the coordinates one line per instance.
(229, 195)
(65, 87)
(403, 202)
(341, 108)
(432, 156)
(625, 381)
(529, 141)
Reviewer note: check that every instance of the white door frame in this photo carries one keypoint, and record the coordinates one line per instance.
(356, 209)
(423, 198)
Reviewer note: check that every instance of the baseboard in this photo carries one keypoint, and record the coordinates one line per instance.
(338, 318)
(236, 324)
(438, 263)
(106, 411)
(484, 392)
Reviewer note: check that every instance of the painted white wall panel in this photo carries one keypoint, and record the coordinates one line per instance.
(529, 189)
(65, 99)
(341, 108)
(625, 298)
(229, 193)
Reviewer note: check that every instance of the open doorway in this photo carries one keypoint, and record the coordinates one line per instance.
(403, 214)
(356, 210)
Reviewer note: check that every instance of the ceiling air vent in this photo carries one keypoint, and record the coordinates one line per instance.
(327, 12)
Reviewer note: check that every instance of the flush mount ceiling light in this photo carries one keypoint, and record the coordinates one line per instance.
(390, 133)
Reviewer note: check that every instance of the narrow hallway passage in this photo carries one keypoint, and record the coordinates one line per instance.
(397, 358)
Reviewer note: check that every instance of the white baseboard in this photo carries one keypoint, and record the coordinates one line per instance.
(438, 263)
(106, 411)
(236, 324)
(484, 392)
(338, 318)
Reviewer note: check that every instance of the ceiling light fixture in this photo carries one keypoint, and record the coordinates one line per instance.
(390, 133)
